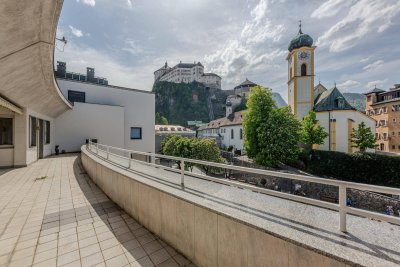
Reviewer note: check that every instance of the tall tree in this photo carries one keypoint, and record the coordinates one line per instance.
(161, 119)
(363, 138)
(271, 133)
(311, 132)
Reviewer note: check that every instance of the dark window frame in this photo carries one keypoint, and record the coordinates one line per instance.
(47, 136)
(72, 96)
(304, 69)
(141, 133)
(232, 134)
(11, 120)
(33, 131)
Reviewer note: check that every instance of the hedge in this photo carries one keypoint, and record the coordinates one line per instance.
(369, 168)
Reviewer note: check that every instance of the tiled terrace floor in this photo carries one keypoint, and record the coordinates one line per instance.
(51, 214)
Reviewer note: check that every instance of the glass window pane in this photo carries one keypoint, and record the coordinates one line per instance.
(136, 133)
(6, 131)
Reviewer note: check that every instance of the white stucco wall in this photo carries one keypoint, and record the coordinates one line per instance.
(88, 121)
(139, 109)
(227, 141)
(342, 117)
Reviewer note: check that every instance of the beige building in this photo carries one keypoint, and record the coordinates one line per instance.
(384, 107)
(333, 111)
(187, 73)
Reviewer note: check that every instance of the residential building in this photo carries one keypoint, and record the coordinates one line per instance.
(187, 73)
(333, 111)
(118, 116)
(384, 107)
(227, 131)
(162, 131)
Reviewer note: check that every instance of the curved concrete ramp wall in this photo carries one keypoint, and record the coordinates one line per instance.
(203, 235)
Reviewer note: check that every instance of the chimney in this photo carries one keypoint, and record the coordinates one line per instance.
(90, 74)
(61, 69)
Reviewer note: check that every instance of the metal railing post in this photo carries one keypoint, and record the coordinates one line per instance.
(182, 172)
(342, 208)
(108, 152)
(130, 160)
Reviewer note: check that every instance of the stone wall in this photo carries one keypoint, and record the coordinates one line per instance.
(361, 199)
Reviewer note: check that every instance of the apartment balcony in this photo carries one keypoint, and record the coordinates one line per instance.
(218, 222)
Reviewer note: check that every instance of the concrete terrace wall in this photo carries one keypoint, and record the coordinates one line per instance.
(205, 236)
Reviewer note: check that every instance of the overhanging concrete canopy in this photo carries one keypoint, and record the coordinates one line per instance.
(27, 36)
(10, 106)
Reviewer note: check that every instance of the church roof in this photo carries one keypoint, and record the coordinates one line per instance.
(246, 83)
(329, 100)
(300, 40)
(375, 90)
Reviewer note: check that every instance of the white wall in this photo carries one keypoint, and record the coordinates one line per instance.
(87, 121)
(139, 109)
(227, 141)
(342, 117)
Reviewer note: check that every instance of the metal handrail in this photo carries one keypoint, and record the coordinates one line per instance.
(342, 185)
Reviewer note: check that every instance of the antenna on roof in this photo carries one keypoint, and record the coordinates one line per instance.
(335, 84)
(300, 27)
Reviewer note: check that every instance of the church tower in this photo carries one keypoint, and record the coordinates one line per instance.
(301, 74)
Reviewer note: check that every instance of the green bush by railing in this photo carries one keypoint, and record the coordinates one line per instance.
(367, 168)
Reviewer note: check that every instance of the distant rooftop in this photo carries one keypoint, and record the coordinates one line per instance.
(61, 72)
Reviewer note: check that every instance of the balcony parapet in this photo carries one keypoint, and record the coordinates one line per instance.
(214, 224)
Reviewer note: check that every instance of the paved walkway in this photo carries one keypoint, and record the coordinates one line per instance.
(51, 214)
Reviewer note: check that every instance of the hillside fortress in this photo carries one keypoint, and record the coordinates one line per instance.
(187, 73)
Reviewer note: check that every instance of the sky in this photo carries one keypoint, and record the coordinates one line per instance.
(358, 41)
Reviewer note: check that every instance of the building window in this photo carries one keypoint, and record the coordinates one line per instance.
(32, 127)
(47, 132)
(232, 134)
(76, 96)
(136, 132)
(6, 131)
(304, 69)
(368, 98)
(241, 134)
(393, 147)
(384, 109)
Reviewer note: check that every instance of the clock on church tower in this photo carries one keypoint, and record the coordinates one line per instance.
(301, 74)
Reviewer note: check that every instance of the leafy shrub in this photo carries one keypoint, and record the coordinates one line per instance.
(369, 168)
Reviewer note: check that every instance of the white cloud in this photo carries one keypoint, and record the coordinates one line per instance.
(377, 83)
(87, 2)
(347, 85)
(330, 8)
(79, 57)
(250, 52)
(129, 3)
(363, 18)
(78, 33)
(363, 60)
(132, 47)
(375, 65)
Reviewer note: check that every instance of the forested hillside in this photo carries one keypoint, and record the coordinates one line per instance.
(181, 102)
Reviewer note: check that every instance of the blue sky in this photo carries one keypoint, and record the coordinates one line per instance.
(358, 41)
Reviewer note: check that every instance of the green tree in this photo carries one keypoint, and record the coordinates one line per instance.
(311, 132)
(271, 133)
(192, 148)
(363, 138)
(161, 119)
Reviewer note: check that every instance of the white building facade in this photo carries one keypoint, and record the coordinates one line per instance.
(228, 131)
(115, 116)
(187, 73)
